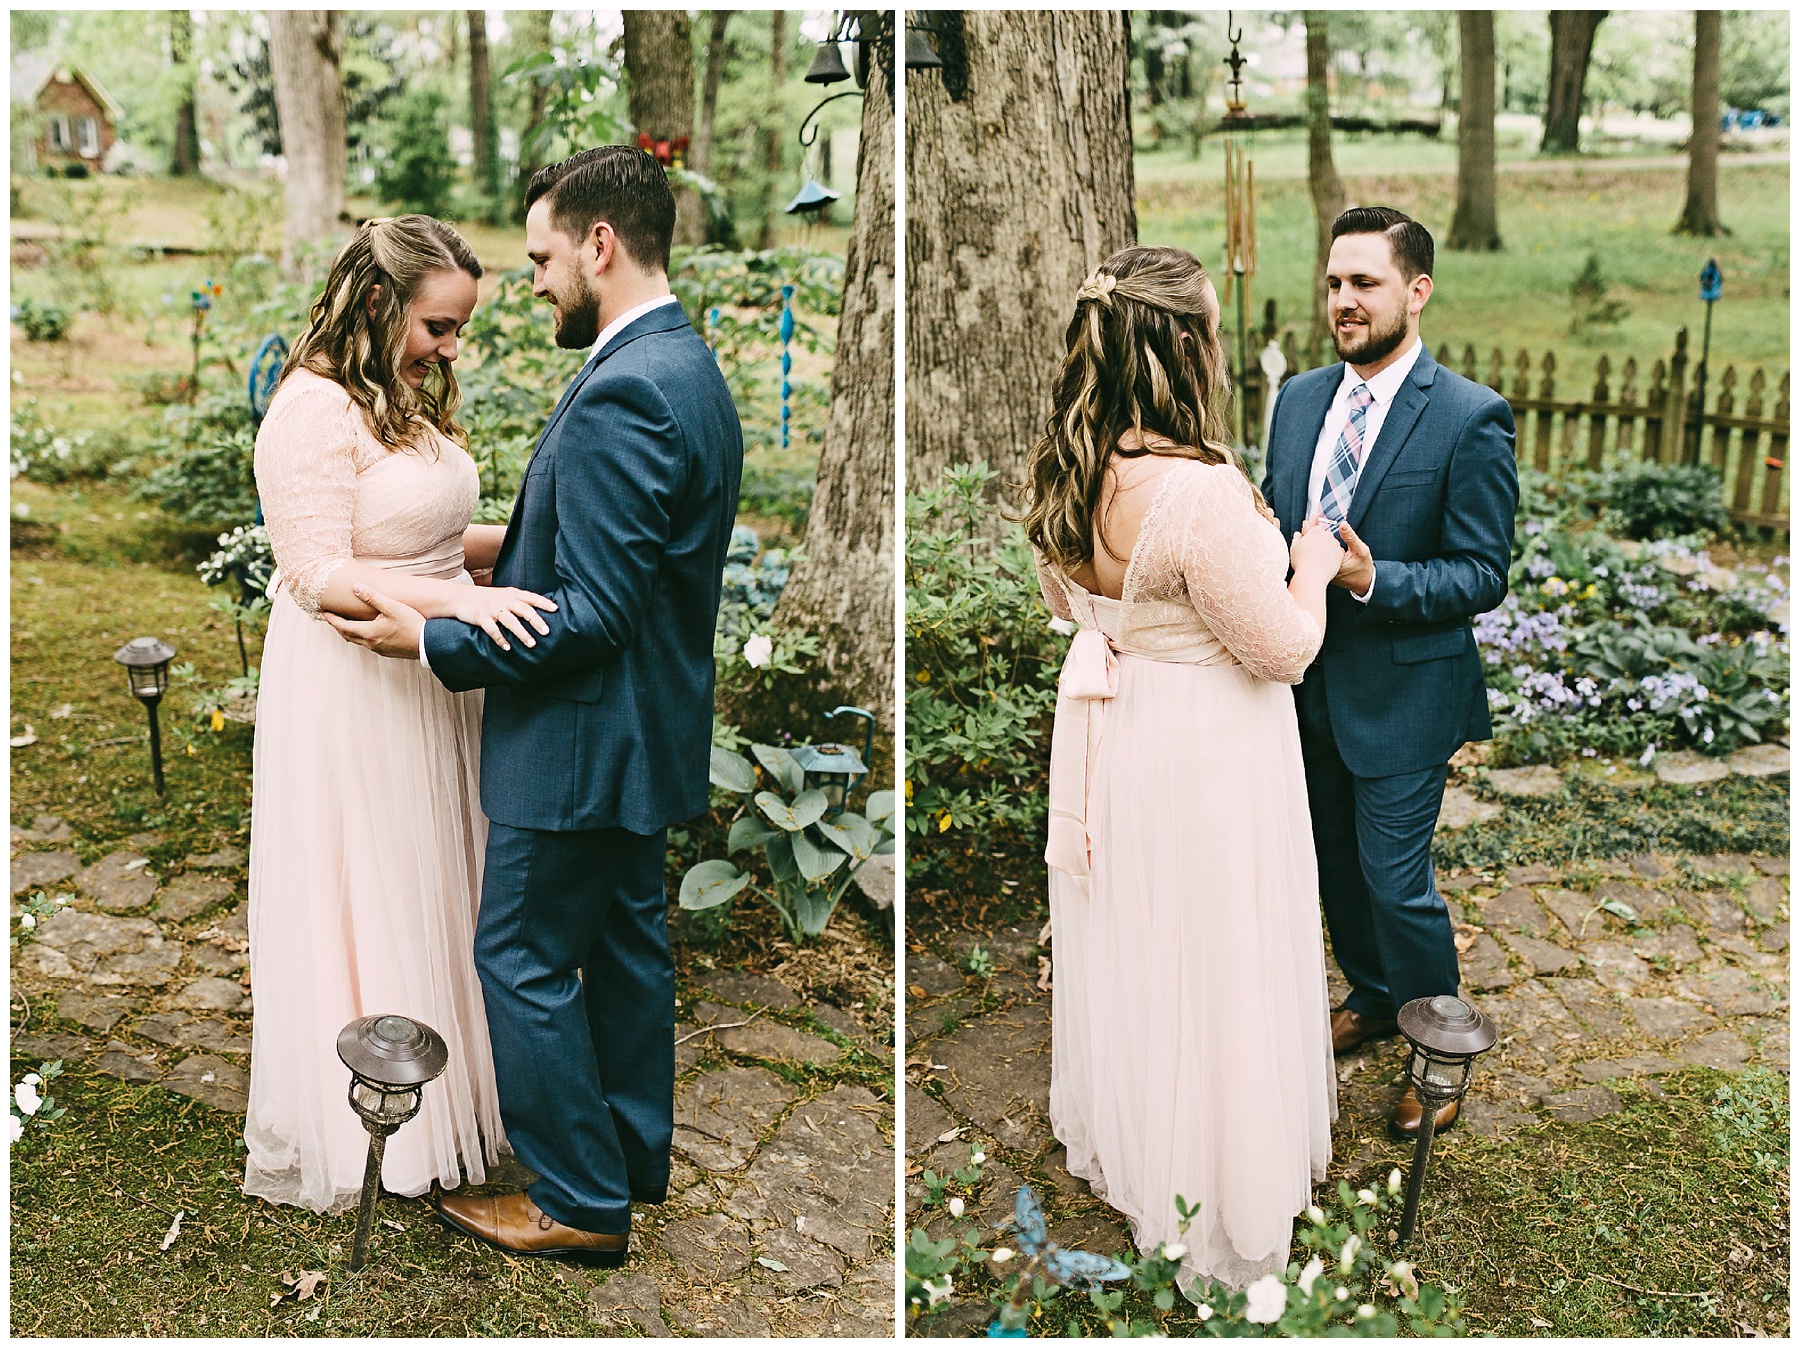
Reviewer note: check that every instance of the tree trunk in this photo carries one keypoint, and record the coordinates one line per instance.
(305, 52)
(1321, 172)
(771, 135)
(1701, 214)
(185, 159)
(659, 69)
(535, 24)
(1476, 225)
(1000, 232)
(1571, 47)
(843, 591)
(481, 108)
(709, 93)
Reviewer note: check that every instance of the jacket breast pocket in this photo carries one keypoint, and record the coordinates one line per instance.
(1416, 650)
(1419, 477)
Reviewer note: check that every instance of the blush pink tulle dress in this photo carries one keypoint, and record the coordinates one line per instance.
(1191, 1039)
(366, 836)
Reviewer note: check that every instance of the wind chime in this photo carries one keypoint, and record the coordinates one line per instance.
(1240, 220)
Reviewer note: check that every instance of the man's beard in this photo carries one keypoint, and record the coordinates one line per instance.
(1377, 343)
(577, 318)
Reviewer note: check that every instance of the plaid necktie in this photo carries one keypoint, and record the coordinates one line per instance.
(1339, 486)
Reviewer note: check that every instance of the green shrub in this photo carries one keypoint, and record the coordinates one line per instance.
(416, 172)
(1667, 501)
(982, 663)
(41, 322)
(40, 453)
(207, 472)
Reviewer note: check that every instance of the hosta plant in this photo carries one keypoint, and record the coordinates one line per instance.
(809, 856)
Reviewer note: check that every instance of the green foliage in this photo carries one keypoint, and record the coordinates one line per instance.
(982, 663)
(41, 453)
(1588, 303)
(82, 252)
(34, 909)
(1750, 1116)
(811, 856)
(41, 322)
(1655, 500)
(415, 171)
(32, 1107)
(207, 475)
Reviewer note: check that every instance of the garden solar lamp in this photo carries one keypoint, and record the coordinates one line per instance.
(1447, 1035)
(835, 769)
(146, 662)
(391, 1058)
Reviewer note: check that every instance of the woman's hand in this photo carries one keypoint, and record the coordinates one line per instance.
(492, 608)
(1315, 552)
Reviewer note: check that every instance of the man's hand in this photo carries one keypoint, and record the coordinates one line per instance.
(1356, 573)
(396, 632)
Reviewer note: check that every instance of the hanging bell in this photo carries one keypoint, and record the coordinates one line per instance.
(919, 52)
(812, 199)
(827, 65)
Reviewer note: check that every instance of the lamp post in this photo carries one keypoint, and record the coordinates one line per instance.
(1447, 1035)
(1712, 285)
(835, 769)
(391, 1058)
(146, 662)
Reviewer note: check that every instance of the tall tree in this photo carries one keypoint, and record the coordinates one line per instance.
(709, 92)
(306, 54)
(843, 591)
(998, 237)
(1571, 48)
(1701, 213)
(535, 24)
(771, 131)
(1476, 224)
(1321, 172)
(481, 107)
(659, 69)
(184, 161)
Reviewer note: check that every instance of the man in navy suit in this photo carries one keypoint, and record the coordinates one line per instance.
(1414, 466)
(597, 730)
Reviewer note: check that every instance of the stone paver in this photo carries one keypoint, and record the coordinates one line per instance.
(739, 985)
(1666, 1018)
(1484, 965)
(1540, 781)
(713, 1247)
(120, 882)
(45, 828)
(96, 1011)
(1515, 911)
(999, 1072)
(227, 858)
(1684, 767)
(721, 1115)
(212, 1081)
(828, 1173)
(1583, 1105)
(212, 994)
(1758, 760)
(1721, 1049)
(36, 870)
(190, 895)
(102, 951)
(1460, 809)
(1731, 992)
(126, 1063)
(1541, 957)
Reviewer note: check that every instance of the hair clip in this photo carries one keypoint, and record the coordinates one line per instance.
(1098, 286)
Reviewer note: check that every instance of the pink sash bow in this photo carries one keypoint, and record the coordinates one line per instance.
(1090, 676)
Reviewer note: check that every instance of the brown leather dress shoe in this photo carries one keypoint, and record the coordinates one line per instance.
(512, 1222)
(1409, 1114)
(1348, 1029)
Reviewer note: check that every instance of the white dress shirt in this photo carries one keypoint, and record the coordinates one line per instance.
(1382, 388)
(607, 333)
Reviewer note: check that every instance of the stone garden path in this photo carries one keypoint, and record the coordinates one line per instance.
(1583, 999)
(780, 1214)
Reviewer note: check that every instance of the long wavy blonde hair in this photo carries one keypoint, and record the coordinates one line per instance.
(1143, 356)
(345, 343)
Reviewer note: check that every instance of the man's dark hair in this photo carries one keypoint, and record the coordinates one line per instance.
(1408, 240)
(619, 184)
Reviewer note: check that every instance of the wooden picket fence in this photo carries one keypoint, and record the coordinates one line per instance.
(1742, 431)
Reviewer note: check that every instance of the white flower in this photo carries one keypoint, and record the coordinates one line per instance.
(956, 1207)
(1347, 1258)
(1366, 1197)
(1365, 1311)
(1001, 1255)
(978, 1157)
(1649, 754)
(1315, 1214)
(1393, 1181)
(1309, 1275)
(1173, 1252)
(1268, 1299)
(1204, 1311)
(758, 651)
(18, 1127)
(1062, 627)
(27, 922)
(934, 1292)
(1342, 1294)
(25, 1094)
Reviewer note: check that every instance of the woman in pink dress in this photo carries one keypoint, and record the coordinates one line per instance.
(1191, 1044)
(366, 837)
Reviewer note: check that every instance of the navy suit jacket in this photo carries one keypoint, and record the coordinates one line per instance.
(1435, 503)
(623, 519)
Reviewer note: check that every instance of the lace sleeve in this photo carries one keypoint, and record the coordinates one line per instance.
(1234, 565)
(306, 479)
(1051, 589)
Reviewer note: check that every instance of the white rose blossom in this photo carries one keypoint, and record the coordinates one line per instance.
(956, 1207)
(1309, 1275)
(25, 1095)
(1342, 1294)
(934, 1292)
(1268, 1299)
(1001, 1255)
(18, 1127)
(1347, 1258)
(27, 922)
(1315, 1214)
(1174, 1252)
(1393, 1182)
(758, 651)
(1204, 1311)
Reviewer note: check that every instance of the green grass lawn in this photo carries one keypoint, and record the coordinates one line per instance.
(1551, 219)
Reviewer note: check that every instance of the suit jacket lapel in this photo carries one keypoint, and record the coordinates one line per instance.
(1409, 404)
(1310, 417)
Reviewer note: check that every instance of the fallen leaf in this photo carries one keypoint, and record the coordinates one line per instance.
(1044, 934)
(20, 741)
(914, 1168)
(950, 1136)
(308, 1284)
(1463, 942)
(917, 991)
(775, 1264)
(1044, 967)
(174, 1230)
(389, 1221)
(1541, 1324)
(63, 712)
(139, 864)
